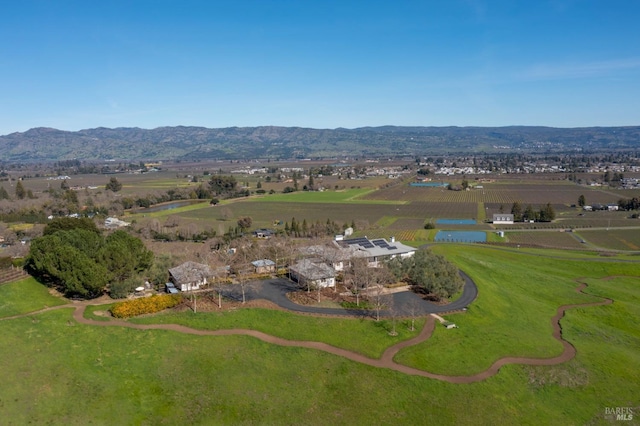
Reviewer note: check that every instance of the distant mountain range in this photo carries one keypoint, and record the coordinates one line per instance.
(200, 143)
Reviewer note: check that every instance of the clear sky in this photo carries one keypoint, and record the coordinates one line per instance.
(318, 63)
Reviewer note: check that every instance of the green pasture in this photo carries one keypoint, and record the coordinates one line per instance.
(57, 371)
(518, 295)
(615, 239)
(26, 295)
(364, 336)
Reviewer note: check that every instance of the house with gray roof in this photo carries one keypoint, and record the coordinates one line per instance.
(264, 266)
(376, 250)
(313, 273)
(190, 276)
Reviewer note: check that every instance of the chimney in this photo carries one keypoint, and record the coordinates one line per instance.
(393, 239)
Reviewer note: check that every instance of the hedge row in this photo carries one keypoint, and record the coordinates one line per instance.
(145, 305)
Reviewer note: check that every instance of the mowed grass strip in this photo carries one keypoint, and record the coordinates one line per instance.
(24, 296)
(518, 296)
(363, 336)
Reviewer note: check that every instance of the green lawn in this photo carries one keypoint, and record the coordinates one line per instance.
(24, 296)
(56, 371)
(518, 296)
(364, 336)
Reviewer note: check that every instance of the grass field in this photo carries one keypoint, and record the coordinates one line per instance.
(23, 296)
(357, 335)
(616, 239)
(57, 371)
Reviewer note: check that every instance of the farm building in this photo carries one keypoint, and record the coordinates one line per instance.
(308, 272)
(503, 218)
(190, 276)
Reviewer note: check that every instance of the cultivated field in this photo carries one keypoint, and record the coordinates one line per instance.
(401, 210)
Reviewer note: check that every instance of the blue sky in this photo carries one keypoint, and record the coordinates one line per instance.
(324, 64)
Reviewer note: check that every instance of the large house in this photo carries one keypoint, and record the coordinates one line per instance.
(313, 273)
(377, 250)
(190, 276)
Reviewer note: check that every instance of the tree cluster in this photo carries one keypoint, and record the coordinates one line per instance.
(546, 213)
(81, 262)
(428, 272)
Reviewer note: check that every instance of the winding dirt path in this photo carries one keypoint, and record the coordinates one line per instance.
(386, 361)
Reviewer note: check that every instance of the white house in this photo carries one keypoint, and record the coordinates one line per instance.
(503, 219)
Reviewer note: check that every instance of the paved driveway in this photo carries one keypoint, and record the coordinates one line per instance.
(275, 290)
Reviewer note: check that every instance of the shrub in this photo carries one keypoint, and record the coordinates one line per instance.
(145, 305)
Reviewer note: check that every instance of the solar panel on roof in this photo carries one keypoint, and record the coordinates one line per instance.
(392, 248)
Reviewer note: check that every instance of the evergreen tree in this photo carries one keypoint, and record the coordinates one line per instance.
(4, 195)
(582, 201)
(516, 211)
(113, 185)
(20, 191)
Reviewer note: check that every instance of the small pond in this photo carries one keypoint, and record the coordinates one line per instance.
(462, 236)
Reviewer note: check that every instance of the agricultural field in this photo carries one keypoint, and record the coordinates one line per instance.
(397, 209)
(555, 239)
(79, 374)
(614, 239)
(503, 192)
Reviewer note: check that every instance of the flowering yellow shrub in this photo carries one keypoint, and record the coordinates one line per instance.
(145, 305)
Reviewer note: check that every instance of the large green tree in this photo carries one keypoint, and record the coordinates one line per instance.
(223, 185)
(69, 223)
(82, 263)
(63, 260)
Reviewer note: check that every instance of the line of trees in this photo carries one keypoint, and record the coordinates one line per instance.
(546, 213)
